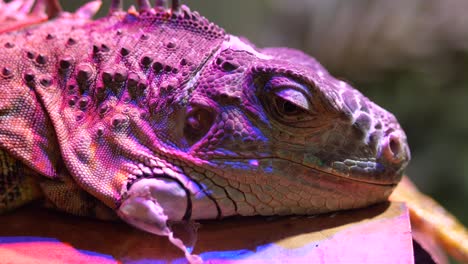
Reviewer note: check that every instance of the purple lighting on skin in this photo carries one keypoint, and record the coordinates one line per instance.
(253, 162)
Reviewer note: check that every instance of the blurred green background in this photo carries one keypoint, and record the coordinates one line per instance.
(409, 56)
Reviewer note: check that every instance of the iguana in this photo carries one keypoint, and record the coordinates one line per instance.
(156, 116)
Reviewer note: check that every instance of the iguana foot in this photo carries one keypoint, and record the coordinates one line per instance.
(17, 185)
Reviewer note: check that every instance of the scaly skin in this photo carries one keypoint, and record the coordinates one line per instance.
(162, 116)
(17, 183)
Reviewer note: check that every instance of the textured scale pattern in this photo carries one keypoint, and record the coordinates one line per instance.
(81, 76)
(17, 186)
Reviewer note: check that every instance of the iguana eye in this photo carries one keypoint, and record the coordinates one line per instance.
(286, 108)
(287, 100)
(290, 102)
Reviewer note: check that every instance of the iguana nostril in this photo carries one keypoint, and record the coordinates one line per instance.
(394, 146)
(394, 150)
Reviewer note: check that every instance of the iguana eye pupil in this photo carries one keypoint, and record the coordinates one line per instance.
(286, 108)
(289, 108)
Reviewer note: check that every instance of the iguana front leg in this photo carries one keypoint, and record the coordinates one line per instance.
(66, 196)
(17, 183)
(20, 185)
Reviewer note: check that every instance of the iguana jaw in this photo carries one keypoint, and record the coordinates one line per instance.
(365, 178)
(373, 174)
(150, 202)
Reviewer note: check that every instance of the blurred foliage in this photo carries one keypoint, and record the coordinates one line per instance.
(409, 56)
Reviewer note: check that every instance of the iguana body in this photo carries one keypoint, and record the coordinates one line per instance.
(159, 116)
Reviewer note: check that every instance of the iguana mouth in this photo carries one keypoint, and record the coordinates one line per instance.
(361, 171)
(368, 172)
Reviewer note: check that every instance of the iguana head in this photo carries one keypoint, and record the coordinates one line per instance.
(267, 132)
(270, 131)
